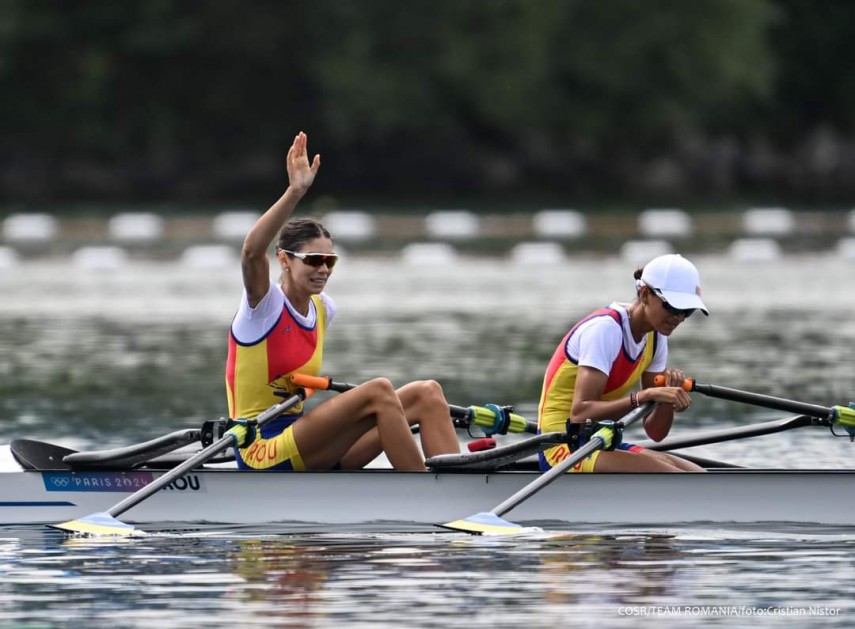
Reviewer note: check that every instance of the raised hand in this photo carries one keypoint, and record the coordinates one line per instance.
(301, 174)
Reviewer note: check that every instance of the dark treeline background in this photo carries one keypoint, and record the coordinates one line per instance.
(428, 100)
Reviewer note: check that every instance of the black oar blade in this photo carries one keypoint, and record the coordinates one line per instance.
(486, 523)
(102, 524)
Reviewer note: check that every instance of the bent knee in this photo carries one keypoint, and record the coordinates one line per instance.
(379, 387)
(421, 397)
(382, 396)
(428, 390)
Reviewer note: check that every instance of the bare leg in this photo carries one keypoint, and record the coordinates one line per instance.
(365, 450)
(425, 404)
(644, 461)
(326, 434)
(683, 464)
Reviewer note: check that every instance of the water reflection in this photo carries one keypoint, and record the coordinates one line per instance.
(441, 578)
(264, 578)
(577, 571)
(279, 574)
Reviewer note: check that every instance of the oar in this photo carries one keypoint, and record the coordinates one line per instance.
(729, 434)
(105, 522)
(492, 522)
(842, 415)
(495, 419)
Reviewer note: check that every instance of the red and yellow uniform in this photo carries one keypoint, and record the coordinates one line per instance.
(255, 371)
(559, 384)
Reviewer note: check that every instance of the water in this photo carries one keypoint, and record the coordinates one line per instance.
(96, 359)
(681, 578)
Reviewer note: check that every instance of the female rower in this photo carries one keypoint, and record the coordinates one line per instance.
(596, 367)
(279, 329)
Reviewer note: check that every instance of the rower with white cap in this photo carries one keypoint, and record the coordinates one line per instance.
(596, 368)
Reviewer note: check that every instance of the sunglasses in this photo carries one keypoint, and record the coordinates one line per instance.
(315, 259)
(685, 313)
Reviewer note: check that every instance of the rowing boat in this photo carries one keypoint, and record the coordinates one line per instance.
(39, 487)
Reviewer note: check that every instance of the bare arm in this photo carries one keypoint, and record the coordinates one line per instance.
(253, 258)
(590, 384)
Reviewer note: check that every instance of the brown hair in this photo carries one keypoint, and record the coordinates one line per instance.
(637, 276)
(298, 231)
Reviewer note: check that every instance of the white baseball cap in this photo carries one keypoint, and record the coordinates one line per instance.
(676, 280)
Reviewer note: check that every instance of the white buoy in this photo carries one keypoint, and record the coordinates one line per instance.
(755, 249)
(454, 224)
(210, 257)
(429, 253)
(233, 225)
(8, 258)
(846, 248)
(664, 223)
(135, 227)
(34, 227)
(99, 258)
(640, 252)
(350, 225)
(770, 221)
(547, 253)
(559, 224)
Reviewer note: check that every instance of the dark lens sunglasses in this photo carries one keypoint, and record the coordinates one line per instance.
(315, 259)
(686, 313)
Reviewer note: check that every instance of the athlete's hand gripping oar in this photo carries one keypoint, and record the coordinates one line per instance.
(105, 523)
(491, 521)
(830, 415)
(494, 419)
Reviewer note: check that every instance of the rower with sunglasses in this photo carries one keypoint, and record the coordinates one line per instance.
(595, 370)
(279, 330)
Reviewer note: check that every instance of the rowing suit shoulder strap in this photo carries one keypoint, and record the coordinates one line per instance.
(256, 371)
(559, 381)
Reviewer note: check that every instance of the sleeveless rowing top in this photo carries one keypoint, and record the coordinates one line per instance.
(255, 371)
(559, 382)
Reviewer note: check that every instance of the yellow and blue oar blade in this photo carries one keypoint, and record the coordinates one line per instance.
(105, 523)
(102, 524)
(491, 521)
(486, 523)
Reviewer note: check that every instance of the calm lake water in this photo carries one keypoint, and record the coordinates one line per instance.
(95, 359)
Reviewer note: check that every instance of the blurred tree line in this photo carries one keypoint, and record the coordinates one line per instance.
(160, 100)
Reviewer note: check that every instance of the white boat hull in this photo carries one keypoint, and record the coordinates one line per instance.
(383, 497)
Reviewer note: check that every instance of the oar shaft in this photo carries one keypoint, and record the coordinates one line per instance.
(546, 478)
(766, 401)
(729, 434)
(200, 457)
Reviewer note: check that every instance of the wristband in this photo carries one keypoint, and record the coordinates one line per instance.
(633, 399)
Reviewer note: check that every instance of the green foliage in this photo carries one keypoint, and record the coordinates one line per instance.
(152, 99)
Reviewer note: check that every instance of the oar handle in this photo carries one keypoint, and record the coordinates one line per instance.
(320, 383)
(479, 415)
(687, 384)
(757, 399)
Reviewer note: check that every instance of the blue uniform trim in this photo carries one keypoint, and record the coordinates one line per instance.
(269, 430)
(545, 467)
